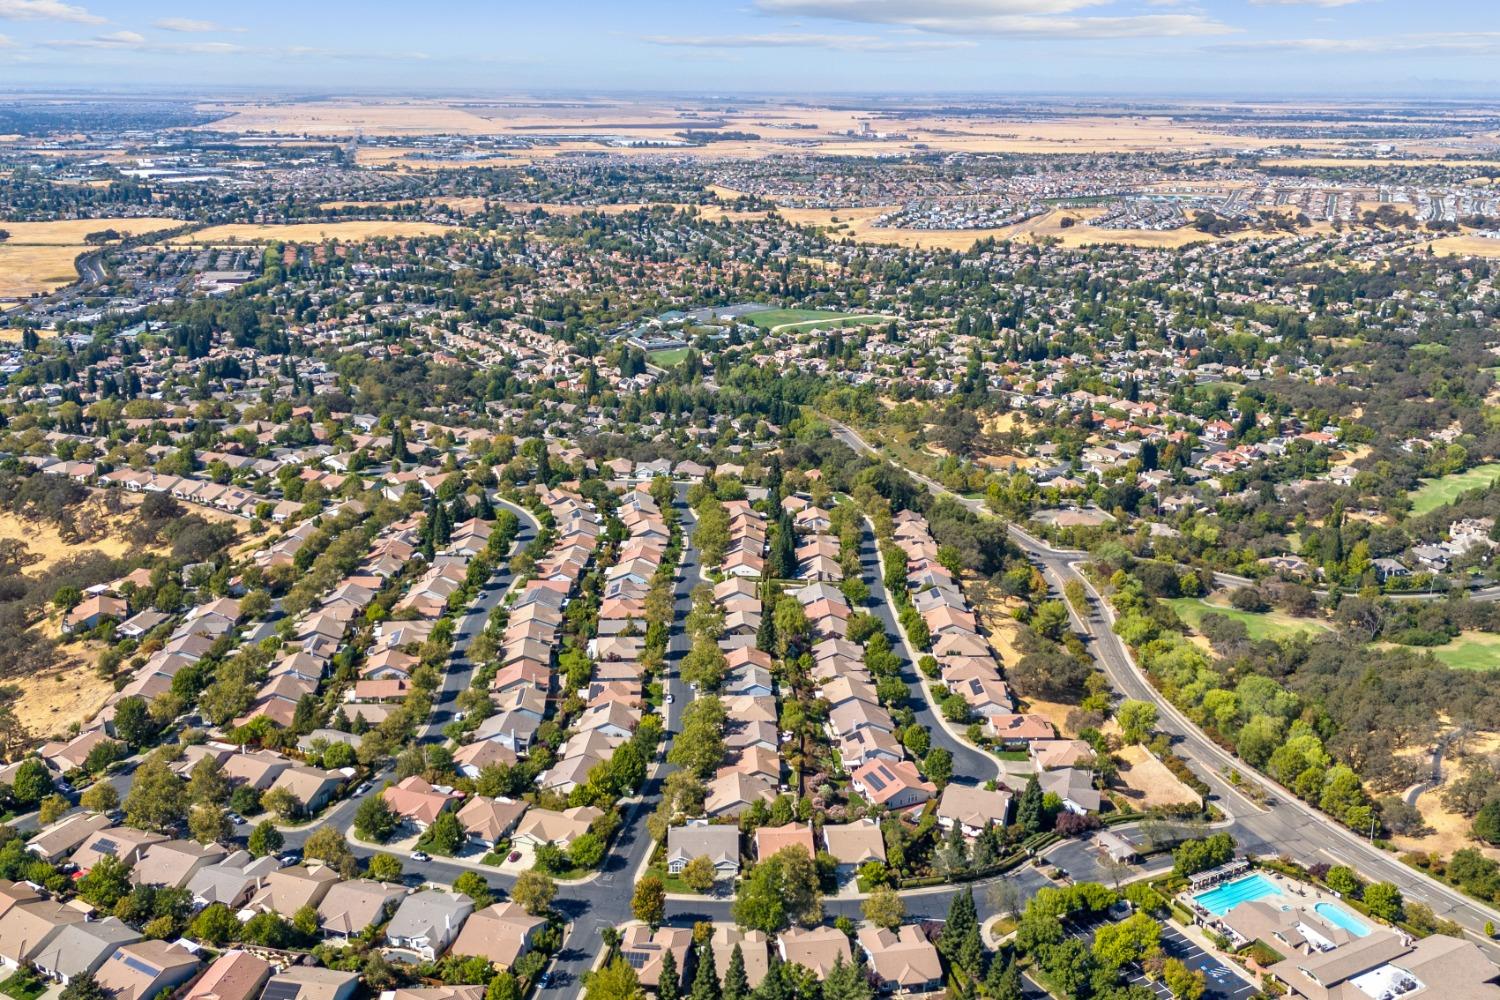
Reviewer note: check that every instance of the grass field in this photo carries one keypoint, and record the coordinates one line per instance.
(1264, 625)
(39, 256)
(1436, 493)
(807, 319)
(668, 358)
(1471, 651)
(311, 232)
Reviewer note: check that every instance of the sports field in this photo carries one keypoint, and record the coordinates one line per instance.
(1262, 625)
(1436, 493)
(668, 358)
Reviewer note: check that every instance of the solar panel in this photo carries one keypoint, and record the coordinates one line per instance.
(131, 962)
(106, 846)
(637, 960)
(281, 990)
(873, 780)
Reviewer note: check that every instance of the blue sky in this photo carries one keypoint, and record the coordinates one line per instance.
(1109, 47)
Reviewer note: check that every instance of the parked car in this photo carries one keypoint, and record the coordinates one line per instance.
(420, 856)
(514, 856)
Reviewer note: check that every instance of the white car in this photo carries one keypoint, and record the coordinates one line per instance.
(670, 697)
(420, 856)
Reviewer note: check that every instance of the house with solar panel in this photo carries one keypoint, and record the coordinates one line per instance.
(79, 949)
(303, 982)
(141, 970)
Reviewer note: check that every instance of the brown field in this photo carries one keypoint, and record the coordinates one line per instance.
(1374, 161)
(43, 540)
(1450, 829)
(27, 270)
(1147, 782)
(1464, 246)
(70, 232)
(825, 129)
(38, 256)
(855, 223)
(311, 232)
(73, 692)
(458, 204)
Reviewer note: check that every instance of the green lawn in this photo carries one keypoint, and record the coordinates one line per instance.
(1436, 493)
(1470, 651)
(668, 358)
(23, 985)
(807, 319)
(1265, 625)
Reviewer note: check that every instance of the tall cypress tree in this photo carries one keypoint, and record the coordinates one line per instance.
(668, 984)
(706, 979)
(736, 983)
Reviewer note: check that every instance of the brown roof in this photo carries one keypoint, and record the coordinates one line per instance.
(235, 975)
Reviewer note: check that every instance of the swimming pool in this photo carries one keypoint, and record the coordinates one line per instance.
(1340, 917)
(1222, 899)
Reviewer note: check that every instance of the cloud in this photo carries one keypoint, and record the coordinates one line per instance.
(46, 10)
(1303, 3)
(1001, 18)
(1452, 43)
(842, 43)
(189, 26)
(133, 41)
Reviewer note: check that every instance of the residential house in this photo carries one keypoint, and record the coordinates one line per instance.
(234, 975)
(719, 843)
(501, 933)
(142, 969)
(816, 949)
(427, 922)
(904, 960)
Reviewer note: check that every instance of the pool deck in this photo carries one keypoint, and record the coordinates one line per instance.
(1299, 895)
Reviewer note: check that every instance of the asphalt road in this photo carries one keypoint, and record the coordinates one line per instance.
(1285, 825)
(970, 766)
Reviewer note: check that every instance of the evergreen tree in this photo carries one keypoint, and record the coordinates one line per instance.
(667, 985)
(846, 981)
(736, 983)
(706, 979)
(1029, 808)
(783, 564)
(961, 942)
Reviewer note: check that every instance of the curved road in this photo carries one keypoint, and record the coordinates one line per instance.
(1286, 824)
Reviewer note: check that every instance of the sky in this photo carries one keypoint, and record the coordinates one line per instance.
(1218, 48)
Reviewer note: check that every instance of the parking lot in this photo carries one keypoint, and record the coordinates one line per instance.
(1223, 981)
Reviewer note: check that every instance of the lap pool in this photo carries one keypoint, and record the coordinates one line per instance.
(1222, 899)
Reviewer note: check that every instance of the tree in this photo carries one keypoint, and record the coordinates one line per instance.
(375, 820)
(1384, 901)
(32, 782)
(669, 982)
(327, 844)
(1192, 856)
(736, 982)
(534, 890)
(107, 882)
(781, 889)
(473, 885)
(445, 835)
(939, 766)
(265, 839)
(706, 979)
(158, 798)
(961, 941)
(587, 850)
(207, 784)
(100, 797)
(883, 907)
(216, 925)
(1487, 823)
(698, 874)
(1004, 981)
(649, 904)
(282, 802)
(1133, 939)
(52, 809)
(209, 824)
(133, 722)
(1029, 806)
(1137, 720)
(503, 986)
(1342, 880)
(83, 987)
(846, 981)
(616, 981)
(1184, 983)
(385, 868)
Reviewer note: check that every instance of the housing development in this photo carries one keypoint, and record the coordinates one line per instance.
(742, 549)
